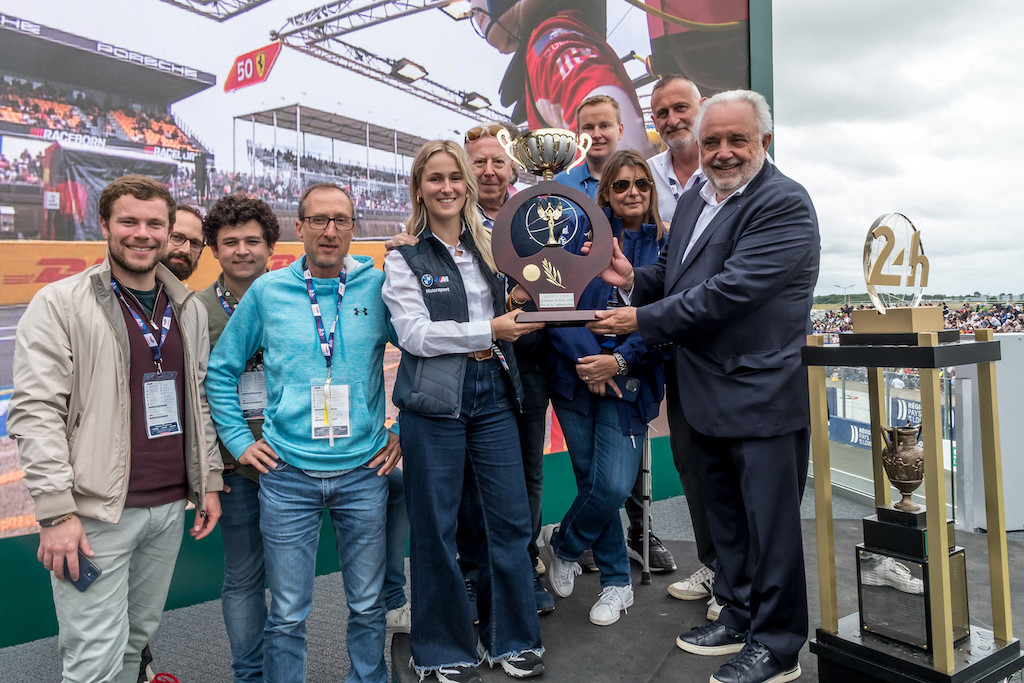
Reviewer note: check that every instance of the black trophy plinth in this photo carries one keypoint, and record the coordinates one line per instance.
(852, 656)
(894, 579)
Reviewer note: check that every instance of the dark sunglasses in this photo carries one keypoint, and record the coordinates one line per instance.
(623, 185)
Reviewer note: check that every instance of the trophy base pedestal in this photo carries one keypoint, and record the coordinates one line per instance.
(898, 319)
(851, 655)
(557, 318)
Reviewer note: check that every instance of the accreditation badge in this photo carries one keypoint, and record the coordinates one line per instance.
(160, 397)
(330, 411)
(252, 393)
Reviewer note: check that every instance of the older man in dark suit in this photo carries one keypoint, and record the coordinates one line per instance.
(732, 293)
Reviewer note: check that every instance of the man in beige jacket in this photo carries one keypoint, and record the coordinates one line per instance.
(114, 433)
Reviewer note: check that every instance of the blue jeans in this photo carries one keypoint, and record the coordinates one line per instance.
(605, 462)
(532, 428)
(243, 595)
(436, 450)
(397, 532)
(291, 507)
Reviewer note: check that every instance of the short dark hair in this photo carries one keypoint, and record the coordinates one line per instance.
(138, 186)
(188, 208)
(235, 209)
(322, 186)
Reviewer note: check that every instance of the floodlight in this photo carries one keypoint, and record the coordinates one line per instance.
(407, 70)
(458, 10)
(475, 101)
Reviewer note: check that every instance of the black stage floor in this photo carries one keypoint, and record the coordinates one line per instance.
(640, 647)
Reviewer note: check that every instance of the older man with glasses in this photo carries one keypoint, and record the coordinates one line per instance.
(322, 326)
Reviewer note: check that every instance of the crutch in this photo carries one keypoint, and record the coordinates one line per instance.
(645, 471)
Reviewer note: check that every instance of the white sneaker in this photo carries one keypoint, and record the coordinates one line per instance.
(714, 609)
(889, 572)
(697, 586)
(561, 574)
(613, 600)
(399, 620)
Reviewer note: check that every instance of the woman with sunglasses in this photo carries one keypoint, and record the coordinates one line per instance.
(457, 389)
(605, 390)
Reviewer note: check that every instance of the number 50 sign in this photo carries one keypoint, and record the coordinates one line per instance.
(895, 267)
(252, 67)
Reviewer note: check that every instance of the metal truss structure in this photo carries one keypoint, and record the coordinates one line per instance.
(317, 32)
(218, 10)
(335, 19)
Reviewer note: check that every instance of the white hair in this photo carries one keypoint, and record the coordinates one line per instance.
(762, 111)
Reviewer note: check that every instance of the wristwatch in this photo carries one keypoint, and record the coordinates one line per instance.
(623, 366)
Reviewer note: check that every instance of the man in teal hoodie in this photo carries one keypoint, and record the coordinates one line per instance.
(322, 326)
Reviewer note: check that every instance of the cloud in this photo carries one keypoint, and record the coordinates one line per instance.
(911, 107)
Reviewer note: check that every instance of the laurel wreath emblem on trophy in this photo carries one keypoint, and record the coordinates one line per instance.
(551, 274)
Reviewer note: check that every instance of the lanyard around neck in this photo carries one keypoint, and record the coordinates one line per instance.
(326, 340)
(223, 302)
(147, 333)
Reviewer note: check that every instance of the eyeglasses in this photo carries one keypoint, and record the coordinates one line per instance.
(321, 222)
(622, 185)
(177, 239)
(477, 132)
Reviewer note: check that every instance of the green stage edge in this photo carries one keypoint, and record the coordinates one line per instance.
(26, 610)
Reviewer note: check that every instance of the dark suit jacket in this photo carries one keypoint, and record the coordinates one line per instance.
(738, 309)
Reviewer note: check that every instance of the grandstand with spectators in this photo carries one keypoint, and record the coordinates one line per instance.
(106, 106)
(75, 113)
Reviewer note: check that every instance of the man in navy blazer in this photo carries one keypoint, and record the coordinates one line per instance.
(732, 292)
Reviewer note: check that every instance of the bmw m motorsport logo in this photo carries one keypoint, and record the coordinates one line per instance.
(435, 284)
(429, 280)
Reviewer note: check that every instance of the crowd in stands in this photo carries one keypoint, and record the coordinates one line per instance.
(1001, 317)
(25, 168)
(154, 130)
(283, 191)
(315, 164)
(46, 105)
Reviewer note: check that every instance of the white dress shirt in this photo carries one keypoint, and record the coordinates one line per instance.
(417, 333)
(713, 206)
(669, 187)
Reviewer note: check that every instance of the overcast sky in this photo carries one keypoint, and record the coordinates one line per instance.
(880, 106)
(899, 106)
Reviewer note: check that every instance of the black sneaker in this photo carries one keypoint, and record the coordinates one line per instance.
(712, 639)
(586, 561)
(660, 558)
(755, 664)
(457, 674)
(525, 665)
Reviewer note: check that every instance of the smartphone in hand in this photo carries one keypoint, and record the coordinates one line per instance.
(629, 386)
(87, 572)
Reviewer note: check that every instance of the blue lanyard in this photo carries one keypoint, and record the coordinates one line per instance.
(326, 341)
(147, 334)
(223, 301)
(674, 184)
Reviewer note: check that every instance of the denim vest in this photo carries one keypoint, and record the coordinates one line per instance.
(433, 386)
